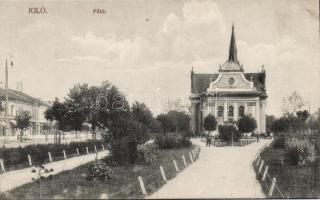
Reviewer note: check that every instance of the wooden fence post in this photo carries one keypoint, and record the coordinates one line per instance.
(95, 148)
(102, 147)
(261, 165)
(193, 154)
(265, 173)
(175, 165)
(258, 161)
(143, 189)
(163, 174)
(184, 161)
(2, 166)
(50, 158)
(272, 187)
(190, 157)
(87, 150)
(29, 159)
(78, 151)
(64, 154)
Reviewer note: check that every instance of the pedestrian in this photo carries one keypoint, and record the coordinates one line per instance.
(207, 137)
(257, 135)
(209, 140)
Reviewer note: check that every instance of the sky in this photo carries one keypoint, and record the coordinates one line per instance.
(147, 47)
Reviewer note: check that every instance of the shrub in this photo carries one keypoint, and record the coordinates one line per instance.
(299, 153)
(99, 170)
(146, 153)
(279, 142)
(226, 133)
(172, 141)
(246, 124)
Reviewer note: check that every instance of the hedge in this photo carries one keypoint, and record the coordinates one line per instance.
(17, 158)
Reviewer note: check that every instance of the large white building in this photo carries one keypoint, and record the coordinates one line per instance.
(17, 101)
(229, 94)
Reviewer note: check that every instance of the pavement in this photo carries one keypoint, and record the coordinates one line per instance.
(220, 172)
(12, 179)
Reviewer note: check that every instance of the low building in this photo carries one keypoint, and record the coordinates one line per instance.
(229, 94)
(18, 101)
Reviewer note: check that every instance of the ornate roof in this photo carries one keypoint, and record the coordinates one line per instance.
(201, 82)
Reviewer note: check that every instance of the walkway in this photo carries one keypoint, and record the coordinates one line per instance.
(12, 179)
(224, 172)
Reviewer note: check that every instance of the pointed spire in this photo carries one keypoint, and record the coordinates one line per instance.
(233, 47)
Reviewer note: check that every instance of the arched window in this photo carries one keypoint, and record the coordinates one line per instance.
(241, 111)
(220, 111)
(230, 111)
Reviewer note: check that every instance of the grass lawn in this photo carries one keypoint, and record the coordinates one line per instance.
(294, 181)
(124, 182)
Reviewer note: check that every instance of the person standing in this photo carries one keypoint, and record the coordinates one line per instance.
(258, 140)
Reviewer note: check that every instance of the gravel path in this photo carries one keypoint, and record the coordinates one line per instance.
(224, 172)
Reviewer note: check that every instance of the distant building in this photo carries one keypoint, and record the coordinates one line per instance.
(229, 94)
(18, 101)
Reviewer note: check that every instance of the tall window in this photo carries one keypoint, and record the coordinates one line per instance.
(241, 111)
(220, 111)
(11, 110)
(230, 112)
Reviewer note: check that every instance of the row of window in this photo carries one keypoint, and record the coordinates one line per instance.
(231, 111)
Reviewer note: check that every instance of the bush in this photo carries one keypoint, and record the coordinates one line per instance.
(172, 141)
(299, 153)
(146, 153)
(279, 142)
(246, 124)
(226, 133)
(99, 170)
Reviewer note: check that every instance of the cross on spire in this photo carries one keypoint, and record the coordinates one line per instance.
(233, 47)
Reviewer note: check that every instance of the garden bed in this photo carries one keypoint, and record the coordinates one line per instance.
(294, 181)
(123, 184)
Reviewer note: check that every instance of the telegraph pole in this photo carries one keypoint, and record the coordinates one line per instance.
(7, 129)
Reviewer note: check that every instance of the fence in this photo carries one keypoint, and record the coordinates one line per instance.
(150, 183)
(51, 156)
(241, 142)
(269, 183)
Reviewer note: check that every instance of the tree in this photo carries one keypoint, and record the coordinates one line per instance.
(246, 124)
(58, 113)
(125, 135)
(281, 124)
(269, 121)
(180, 120)
(166, 123)
(210, 123)
(23, 120)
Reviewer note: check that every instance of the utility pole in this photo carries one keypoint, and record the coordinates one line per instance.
(7, 129)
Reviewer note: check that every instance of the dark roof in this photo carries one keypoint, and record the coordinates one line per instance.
(201, 82)
(21, 96)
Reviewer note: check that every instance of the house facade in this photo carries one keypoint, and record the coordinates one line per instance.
(228, 94)
(20, 101)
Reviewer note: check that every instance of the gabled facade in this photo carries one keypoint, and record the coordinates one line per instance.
(229, 94)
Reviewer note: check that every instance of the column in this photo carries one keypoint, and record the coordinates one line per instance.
(225, 111)
(216, 109)
(257, 111)
(236, 111)
(195, 114)
(245, 108)
(263, 117)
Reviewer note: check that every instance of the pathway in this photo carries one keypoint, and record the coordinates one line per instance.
(224, 172)
(12, 179)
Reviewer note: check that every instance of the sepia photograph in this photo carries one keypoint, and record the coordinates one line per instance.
(159, 99)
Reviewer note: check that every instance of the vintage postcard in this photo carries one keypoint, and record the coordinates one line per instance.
(158, 99)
